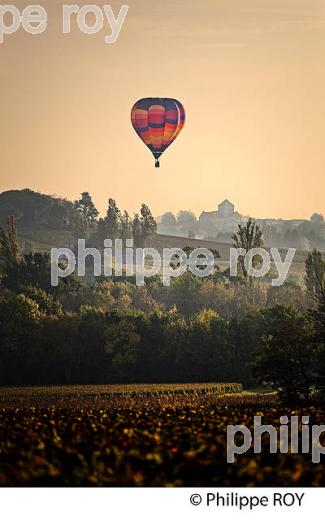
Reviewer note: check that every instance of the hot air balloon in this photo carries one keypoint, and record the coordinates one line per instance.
(158, 121)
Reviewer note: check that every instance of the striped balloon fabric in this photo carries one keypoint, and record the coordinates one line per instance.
(158, 121)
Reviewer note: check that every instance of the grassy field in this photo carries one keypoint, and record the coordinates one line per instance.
(142, 435)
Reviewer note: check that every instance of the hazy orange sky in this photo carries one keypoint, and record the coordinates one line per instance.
(250, 73)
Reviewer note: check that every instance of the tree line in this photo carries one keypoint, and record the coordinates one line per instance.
(115, 224)
(44, 220)
(213, 329)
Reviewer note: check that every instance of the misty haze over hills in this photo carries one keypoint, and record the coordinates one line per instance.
(219, 225)
(46, 221)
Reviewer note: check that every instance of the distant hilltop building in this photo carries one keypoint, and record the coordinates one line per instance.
(221, 224)
(226, 209)
(225, 218)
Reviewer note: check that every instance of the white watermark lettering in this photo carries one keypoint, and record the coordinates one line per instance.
(264, 266)
(89, 19)
(124, 260)
(282, 439)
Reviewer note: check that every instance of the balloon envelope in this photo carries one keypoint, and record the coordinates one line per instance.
(158, 122)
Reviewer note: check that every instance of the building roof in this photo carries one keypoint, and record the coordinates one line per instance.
(227, 202)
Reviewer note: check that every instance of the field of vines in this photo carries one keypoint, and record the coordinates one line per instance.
(143, 435)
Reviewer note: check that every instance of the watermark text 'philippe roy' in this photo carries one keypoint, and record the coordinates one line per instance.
(288, 438)
(174, 262)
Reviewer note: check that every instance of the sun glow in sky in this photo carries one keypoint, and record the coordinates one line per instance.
(250, 73)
